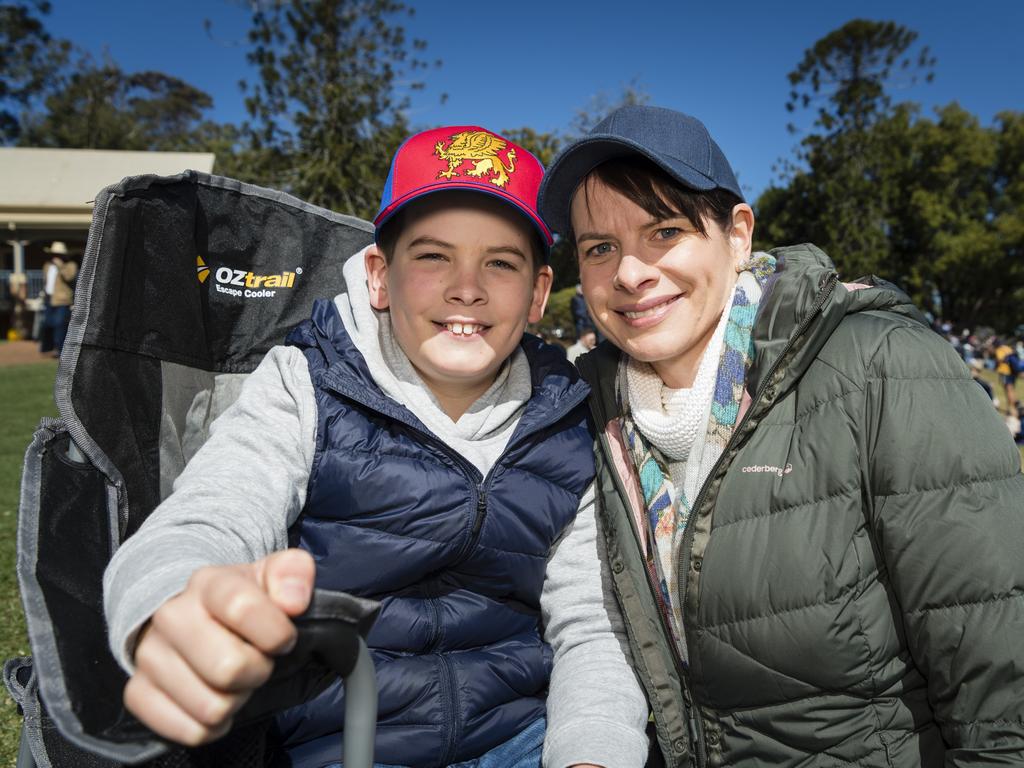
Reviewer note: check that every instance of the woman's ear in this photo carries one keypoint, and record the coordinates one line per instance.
(377, 277)
(741, 233)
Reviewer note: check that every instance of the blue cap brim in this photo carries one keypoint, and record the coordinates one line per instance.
(577, 160)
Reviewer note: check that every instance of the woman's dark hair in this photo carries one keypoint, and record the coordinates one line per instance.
(644, 182)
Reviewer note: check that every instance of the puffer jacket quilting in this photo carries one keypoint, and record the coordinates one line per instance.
(853, 584)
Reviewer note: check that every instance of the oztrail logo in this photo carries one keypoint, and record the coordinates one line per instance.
(244, 284)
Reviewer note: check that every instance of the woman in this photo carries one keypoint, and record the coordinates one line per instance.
(811, 516)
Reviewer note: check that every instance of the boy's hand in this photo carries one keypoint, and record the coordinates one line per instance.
(206, 650)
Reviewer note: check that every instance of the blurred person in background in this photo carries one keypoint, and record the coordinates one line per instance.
(585, 343)
(59, 275)
(1007, 364)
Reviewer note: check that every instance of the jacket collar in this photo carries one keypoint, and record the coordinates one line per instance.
(802, 307)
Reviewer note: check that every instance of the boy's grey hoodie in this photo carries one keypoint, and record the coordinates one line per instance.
(245, 486)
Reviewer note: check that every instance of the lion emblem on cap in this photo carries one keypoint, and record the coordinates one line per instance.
(481, 149)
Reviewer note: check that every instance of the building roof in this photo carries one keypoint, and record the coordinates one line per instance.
(54, 188)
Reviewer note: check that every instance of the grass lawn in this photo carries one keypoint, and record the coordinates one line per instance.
(26, 395)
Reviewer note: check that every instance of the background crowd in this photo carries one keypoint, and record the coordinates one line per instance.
(999, 353)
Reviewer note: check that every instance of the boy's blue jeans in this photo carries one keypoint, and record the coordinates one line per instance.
(521, 751)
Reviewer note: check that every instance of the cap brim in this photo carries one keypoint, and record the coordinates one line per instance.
(577, 161)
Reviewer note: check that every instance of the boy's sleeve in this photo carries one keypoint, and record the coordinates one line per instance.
(597, 712)
(232, 503)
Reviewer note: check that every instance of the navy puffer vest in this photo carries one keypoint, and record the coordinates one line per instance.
(457, 559)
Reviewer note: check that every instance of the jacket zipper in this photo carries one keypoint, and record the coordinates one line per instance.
(696, 736)
(685, 550)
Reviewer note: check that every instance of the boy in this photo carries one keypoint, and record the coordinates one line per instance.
(423, 450)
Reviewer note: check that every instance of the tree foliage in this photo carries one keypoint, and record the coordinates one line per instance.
(328, 109)
(601, 104)
(31, 58)
(103, 107)
(849, 72)
(932, 204)
(958, 215)
(53, 95)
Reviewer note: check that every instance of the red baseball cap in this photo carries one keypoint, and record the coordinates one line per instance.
(464, 157)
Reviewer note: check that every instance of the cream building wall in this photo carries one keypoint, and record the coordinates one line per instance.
(47, 194)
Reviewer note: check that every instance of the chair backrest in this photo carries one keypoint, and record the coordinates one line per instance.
(186, 282)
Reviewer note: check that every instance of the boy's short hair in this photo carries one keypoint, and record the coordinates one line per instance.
(467, 158)
(390, 231)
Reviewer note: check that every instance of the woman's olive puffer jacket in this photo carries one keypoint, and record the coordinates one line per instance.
(853, 569)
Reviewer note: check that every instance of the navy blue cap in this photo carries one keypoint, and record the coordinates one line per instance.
(677, 143)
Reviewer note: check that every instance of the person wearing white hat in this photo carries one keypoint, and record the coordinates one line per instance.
(59, 273)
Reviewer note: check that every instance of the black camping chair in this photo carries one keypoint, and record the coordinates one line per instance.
(186, 282)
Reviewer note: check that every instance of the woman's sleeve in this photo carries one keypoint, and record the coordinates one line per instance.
(233, 502)
(597, 712)
(947, 509)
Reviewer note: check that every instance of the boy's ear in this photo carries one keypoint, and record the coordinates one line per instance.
(377, 277)
(541, 290)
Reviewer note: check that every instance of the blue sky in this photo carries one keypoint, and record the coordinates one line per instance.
(535, 63)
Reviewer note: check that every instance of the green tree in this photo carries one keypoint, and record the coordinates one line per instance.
(30, 62)
(103, 107)
(934, 204)
(959, 226)
(842, 187)
(47, 102)
(544, 146)
(601, 104)
(848, 73)
(328, 109)
(1008, 208)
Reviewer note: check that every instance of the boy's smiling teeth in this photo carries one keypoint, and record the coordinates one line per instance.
(463, 329)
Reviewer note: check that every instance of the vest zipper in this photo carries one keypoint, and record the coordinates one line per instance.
(481, 512)
(685, 550)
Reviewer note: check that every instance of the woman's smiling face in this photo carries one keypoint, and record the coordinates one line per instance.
(656, 286)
